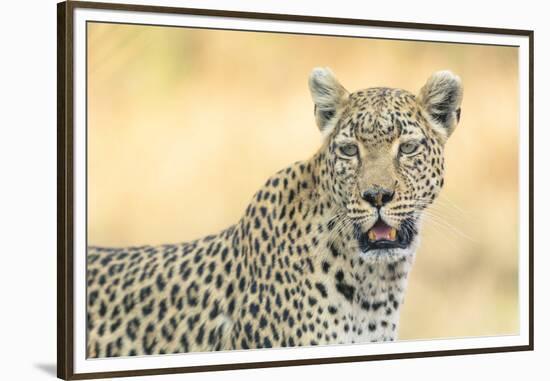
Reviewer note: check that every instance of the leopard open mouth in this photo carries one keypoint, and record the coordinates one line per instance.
(383, 236)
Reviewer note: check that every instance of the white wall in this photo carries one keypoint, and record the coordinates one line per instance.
(28, 170)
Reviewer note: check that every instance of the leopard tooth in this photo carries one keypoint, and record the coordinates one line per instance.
(393, 234)
(372, 235)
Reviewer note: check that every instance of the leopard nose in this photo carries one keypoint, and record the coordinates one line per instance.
(378, 196)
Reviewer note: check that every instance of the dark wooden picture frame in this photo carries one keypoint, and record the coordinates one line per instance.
(65, 193)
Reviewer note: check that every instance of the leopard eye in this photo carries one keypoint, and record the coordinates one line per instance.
(327, 114)
(408, 148)
(349, 150)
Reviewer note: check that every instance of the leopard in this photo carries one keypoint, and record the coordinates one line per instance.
(321, 255)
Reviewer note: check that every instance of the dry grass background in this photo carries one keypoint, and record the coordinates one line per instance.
(184, 125)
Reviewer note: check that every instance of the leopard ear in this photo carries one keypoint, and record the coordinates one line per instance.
(328, 97)
(441, 98)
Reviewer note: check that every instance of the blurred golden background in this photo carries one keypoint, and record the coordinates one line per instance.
(185, 124)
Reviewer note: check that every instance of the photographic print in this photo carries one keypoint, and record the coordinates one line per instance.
(246, 190)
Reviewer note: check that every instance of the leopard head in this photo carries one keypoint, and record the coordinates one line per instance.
(383, 154)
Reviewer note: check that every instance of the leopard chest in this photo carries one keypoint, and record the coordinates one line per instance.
(327, 298)
(353, 308)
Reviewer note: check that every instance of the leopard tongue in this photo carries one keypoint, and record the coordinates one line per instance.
(381, 231)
